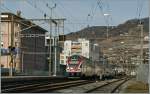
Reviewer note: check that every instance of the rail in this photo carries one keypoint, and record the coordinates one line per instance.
(108, 87)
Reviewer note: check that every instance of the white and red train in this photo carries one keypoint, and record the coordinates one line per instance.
(79, 66)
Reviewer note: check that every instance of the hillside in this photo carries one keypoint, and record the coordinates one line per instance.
(117, 34)
(99, 32)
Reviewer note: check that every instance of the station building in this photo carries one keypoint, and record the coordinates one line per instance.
(29, 40)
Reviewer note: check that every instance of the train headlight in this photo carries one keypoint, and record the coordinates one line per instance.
(71, 68)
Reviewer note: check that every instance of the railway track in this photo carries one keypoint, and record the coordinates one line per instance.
(109, 87)
(18, 84)
(59, 86)
(43, 87)
(66, 86)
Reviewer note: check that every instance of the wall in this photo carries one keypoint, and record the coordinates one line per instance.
(33, 47)
(143, 73)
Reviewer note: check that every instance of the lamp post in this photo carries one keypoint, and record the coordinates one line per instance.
(123, 56)
(107, 21)
(94, 59)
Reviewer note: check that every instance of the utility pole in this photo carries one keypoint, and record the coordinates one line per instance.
(55, 46)
(50, 37)
(141, 42)
(12, 45)
(107, 31)
(0, 31)
(22, 57)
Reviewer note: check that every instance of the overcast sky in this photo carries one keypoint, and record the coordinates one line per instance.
(80, 13)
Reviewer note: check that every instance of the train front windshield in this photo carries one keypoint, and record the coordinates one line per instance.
(74, 62)
(72, 65)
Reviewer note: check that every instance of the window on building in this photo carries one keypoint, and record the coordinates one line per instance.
(47, 41)
(16, 34)
(2, 44)
(2, 65)
(62, 57)
(2, 35)
(86, 44)
(62, 61)
(15, 43)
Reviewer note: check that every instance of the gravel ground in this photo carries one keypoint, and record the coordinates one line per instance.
(133, 86)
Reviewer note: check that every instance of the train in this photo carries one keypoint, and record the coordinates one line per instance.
(79, 66)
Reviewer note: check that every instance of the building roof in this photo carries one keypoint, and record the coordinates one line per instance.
(6, 17)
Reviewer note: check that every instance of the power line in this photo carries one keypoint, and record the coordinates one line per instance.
(140, 4)
(13, 11)
(100, 4)
(45, 4)
(10, 10)
(7, 8)
(92, 13)
(35, 6)
(62, 7)
(109, 12)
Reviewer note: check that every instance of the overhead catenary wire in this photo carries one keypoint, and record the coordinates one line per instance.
(30, 3)
(62, 7)
(109, 12)
(10, 10)
(139, 8)
(35, 6)
(3, 6)
(140, 4)
(100, 4)
(91, 14)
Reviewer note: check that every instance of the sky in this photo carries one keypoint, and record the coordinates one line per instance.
(80, 13)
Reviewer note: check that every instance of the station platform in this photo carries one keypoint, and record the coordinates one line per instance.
(133, 86)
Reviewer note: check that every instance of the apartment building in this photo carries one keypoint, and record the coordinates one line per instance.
(82, 47)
